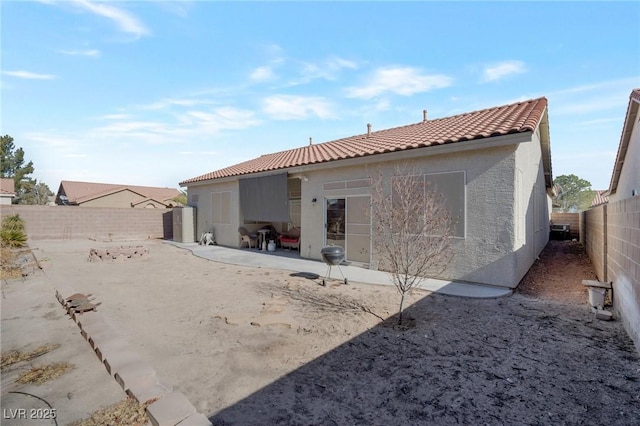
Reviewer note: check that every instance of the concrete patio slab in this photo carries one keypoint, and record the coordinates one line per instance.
(289, 261)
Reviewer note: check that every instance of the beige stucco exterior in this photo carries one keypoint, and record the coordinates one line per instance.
(629, 179)
(124, 198)
(506, 205)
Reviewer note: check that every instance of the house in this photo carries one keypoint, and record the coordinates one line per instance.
(90, 194)
(625, 181)
(601, 197)
(622, 232)
(7, 191)
(492, 165)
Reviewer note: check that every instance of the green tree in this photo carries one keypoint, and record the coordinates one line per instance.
(574, 193)
(12, 166)
(182, 198)
(36, 193)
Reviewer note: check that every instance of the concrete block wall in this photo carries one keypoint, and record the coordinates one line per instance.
(594, 239)
(623, 262)
(70, 222)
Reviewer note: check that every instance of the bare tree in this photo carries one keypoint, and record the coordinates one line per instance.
(411, 229)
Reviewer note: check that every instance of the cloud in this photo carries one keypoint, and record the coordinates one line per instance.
(405, 81)
(29, 75)
(178, 8)
(288, 107)
(223, 118)
(327, 70)
(124, 20)
(52, 139)
(590, 104)
(88, 52)
(498, 71)
(115, 116)
(175, 127)
(264, 73)
(609, 95)
(167, 103)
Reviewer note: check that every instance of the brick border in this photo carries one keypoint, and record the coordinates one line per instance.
(134, 375)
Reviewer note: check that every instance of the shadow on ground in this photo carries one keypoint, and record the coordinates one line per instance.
(515, 360)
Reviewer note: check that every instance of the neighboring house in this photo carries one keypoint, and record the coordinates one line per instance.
(90, 194)
(601, 197)
(625, 181)
(7, 190)
(492, 165)
(623, 223)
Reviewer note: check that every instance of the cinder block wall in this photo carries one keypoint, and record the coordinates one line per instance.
(66, 222)
(623, 262)
(594, 239)
(573, 219)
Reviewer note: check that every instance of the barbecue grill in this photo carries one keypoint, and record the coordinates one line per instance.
(333, 256)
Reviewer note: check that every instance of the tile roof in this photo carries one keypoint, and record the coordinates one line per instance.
(80, 192)
(602, 197)
(514, 118)
(7, 186)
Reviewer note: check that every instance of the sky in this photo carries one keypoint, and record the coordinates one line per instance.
(157, 92)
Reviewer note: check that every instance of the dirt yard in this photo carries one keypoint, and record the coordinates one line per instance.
(255, 346)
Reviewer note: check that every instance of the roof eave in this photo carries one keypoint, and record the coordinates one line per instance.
(627, 130)
(474, 144)
(545, 145)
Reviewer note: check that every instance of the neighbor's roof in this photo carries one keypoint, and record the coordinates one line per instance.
(80, 192)
(7, 186)
(602, 197)
(514, 118)
(629, 121)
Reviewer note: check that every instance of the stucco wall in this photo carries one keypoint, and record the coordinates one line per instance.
(533, 199)
(630, 173)
(485, 254)
(199, 196)
(119, 199)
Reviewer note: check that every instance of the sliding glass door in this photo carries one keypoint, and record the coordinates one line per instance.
(348, 225)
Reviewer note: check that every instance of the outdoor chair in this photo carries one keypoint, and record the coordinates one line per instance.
(291, 239)
(246, 237)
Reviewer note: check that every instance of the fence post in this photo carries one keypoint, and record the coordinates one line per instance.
(605, 244)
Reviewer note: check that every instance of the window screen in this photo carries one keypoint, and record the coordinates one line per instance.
(265, 199)
(451, 185)
(221, 207)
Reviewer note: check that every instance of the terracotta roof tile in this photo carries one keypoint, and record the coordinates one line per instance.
(514, 118)
(7, 186)
(601, 197)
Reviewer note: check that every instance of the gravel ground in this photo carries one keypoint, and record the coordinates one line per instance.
(262, 346)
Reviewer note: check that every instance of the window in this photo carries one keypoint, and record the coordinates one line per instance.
(295, 213)
(452, 187)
